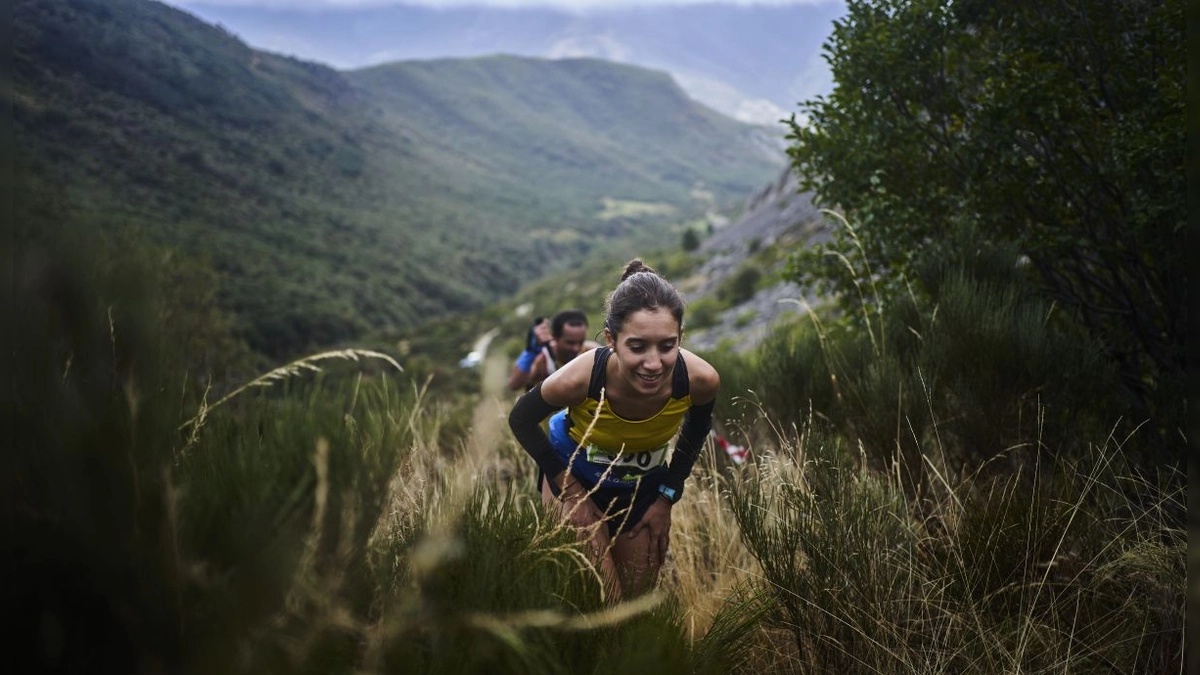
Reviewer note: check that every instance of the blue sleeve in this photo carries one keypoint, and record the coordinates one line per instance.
(525, 360)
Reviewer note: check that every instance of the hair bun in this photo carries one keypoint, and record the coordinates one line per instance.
(636, 265)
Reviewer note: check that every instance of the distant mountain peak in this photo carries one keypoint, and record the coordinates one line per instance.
(752, 62)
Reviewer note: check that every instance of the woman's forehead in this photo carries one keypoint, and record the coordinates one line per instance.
(650, 324)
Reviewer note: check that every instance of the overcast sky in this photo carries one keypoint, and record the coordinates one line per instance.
(557, 4)
(749, 59)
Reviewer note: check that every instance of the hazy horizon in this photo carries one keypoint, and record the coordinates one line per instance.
(751, 61)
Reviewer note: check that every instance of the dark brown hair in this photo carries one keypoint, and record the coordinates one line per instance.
(640, 288)
(567, 317)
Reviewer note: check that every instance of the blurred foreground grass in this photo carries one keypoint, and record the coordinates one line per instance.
(325, 522)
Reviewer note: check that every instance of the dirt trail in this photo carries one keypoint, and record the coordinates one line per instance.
(489, 423)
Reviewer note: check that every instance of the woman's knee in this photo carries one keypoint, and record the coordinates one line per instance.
(635, 564)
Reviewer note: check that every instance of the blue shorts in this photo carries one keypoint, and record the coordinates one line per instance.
(625, 501)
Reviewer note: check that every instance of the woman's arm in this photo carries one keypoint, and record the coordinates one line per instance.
(695, 430)
(566, 386)
(525, 421)
(703, 386)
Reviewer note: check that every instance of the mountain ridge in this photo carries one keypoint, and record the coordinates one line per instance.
(321, 197)
(753, 63)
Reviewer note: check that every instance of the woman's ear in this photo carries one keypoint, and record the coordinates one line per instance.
(609, 339)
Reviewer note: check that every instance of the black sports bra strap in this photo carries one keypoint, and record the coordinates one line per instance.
(681, 384)
(598, 372)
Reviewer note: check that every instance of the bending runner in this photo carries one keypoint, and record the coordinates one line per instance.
(606, 465)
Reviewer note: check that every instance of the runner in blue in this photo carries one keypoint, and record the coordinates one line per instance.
(549, 346)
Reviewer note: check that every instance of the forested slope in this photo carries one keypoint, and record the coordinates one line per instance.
(331, 204)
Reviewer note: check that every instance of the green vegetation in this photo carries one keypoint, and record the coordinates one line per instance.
(949, 470)
(986, 366)
(1048, 569)
(962, 453)
(1056, 129)
(741, 285)
(331, 205)
(324, 522)
(947, 484)
(691, 240)
(314, 520)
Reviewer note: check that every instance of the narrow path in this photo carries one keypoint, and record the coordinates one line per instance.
(489, 420)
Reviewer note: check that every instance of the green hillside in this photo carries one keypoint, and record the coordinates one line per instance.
(568, 132)
(331, 204)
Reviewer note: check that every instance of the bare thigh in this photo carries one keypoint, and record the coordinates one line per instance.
(636, 568)
(600, 543)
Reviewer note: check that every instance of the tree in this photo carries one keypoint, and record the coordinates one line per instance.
(691, 240)
(1058, 127)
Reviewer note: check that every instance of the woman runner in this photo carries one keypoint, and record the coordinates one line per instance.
(606, 465)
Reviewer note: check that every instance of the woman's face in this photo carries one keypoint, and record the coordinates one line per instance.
(646, 349)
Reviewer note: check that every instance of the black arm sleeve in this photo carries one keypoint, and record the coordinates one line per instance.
(695, 430)
(525, 421)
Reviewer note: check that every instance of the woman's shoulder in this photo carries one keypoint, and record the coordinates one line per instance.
(569, 384)
(704, 380)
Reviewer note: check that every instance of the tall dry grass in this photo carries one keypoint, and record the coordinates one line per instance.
(945, 483)
(1066, 568)
(709, 568)
(328, 522)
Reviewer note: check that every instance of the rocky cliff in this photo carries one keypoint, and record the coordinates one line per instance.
(778, 215)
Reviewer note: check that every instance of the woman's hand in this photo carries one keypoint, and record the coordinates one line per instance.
(657, 523)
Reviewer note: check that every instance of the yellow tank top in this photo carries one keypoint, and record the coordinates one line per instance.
(614, 435)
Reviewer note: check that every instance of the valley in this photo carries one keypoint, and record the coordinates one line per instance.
(332, 205)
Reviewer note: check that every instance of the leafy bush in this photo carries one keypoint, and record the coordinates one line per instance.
(701, 313)
(965, 116)
(983, 364)
(690, 241)
(741, 286)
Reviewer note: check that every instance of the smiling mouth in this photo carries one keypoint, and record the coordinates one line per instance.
(650, 379)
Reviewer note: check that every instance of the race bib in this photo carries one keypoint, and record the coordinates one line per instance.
(636, 461)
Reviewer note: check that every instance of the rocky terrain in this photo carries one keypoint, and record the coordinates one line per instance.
(778, 215)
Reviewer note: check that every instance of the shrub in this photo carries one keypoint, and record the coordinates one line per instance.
(982, 364)
(1066, 567)
(702, 313)
(741, 286)
(691, 240)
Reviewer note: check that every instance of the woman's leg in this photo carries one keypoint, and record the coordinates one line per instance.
(600, 543)
(637, 557)
(637, 562)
